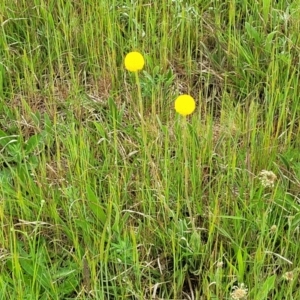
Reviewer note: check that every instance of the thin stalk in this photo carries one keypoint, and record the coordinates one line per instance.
(186, 168)
(148, 157)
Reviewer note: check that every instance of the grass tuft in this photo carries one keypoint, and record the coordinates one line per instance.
(107, 193)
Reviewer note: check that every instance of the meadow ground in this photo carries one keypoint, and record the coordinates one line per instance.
(107, 193)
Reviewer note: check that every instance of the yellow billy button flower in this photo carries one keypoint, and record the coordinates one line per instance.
(185, 105)
(134, 61)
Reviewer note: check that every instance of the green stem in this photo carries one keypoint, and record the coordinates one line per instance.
(186, 169)
(137, 80)
(141, 113)
(148, 158)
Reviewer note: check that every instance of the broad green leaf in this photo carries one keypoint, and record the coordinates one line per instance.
(36, 272)
(241, 264)
(93, 203)
(32, 143)
(267, 286)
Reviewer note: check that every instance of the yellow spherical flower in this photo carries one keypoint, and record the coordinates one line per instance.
(185, 105)
(134, 61)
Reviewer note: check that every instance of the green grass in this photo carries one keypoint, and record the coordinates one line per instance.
(97, 202)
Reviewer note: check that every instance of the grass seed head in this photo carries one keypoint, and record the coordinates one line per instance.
(288, 276)
(239, 292)
(267, 178)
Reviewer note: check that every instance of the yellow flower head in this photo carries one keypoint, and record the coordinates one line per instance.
(134, 61)
(185, 105)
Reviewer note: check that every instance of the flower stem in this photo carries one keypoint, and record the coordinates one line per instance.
(141, 114)
(186, 169)
(148, 158)
(137, 80)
